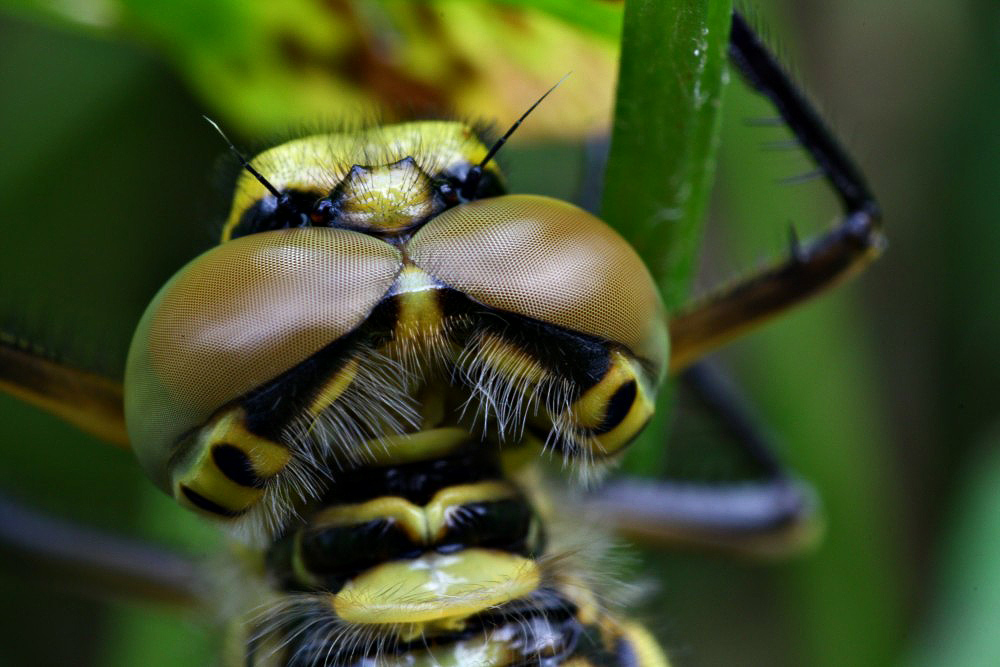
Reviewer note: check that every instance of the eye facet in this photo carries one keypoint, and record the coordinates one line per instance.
(551, 261)
(238, 316)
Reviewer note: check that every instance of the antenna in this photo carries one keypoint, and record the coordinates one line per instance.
(476, 173)
(243, 161)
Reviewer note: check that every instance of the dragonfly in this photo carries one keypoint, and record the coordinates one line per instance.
(373, 429)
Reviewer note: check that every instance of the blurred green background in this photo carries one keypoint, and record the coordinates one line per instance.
(883, 393)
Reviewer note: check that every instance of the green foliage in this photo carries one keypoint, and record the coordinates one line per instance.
(597, 17)
(961, 627)
(264, 66)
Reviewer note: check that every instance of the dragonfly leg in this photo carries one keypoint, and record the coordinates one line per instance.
(812, 266)
(771, 514)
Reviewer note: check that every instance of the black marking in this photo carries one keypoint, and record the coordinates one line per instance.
(581, 359)
(380, 325)
(333, 555)
(356, 546)
(336, 554)
(617, 408)
(454, 186)
(203, 503)
(455, 307)
(416, 482)
(235, 465)
(451, 179)
(578, 357)
(496, 524)
(290, 209)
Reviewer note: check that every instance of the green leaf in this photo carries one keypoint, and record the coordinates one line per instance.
(262, 67)
(599, 17)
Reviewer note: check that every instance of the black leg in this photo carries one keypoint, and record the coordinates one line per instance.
(770, 514)
(812, 266)
(91, 402)
(94, 562)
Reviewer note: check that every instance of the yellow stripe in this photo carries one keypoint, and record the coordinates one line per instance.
(409, 517)
(335, 386)
(511, 362)
(417, 297)
(420, 446)
(445, 500)
(635, 420)
(423, 524)
(646, 649)
(203, 476)
(591, 409)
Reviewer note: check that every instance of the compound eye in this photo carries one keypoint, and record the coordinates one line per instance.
(551, 261)
(237, 317)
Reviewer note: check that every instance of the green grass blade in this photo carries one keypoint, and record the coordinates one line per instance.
(671, 80)
(961, 626)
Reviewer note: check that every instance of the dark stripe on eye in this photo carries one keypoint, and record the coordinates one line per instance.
(548, 344)
(581, 359)
(273, 405)
(203, 503)
(235, 465)
(618, 408)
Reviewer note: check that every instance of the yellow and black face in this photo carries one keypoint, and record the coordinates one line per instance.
(371, 314)
(383, 180)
